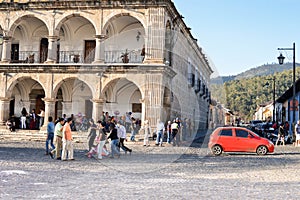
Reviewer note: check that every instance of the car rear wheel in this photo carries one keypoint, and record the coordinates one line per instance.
(216, 150)
(262, 150)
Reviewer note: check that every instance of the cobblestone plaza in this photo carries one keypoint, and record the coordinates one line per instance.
(149, 173)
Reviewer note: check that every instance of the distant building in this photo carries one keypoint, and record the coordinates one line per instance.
(85, 57)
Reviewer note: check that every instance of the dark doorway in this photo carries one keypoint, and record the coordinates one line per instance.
(12, 107)
(88, 108)
(43, 50)
(39, 103)
(89, 53)
(14, 52)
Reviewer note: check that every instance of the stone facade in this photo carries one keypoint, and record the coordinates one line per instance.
(86, 57)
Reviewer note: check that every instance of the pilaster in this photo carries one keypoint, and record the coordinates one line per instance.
(99, 50)
(6, 49)
(49, 110)
(156, 33)
(4, 110)
(52, 49)
(97, 108)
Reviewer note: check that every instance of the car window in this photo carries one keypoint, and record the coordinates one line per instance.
(241, 133)
(225, 132)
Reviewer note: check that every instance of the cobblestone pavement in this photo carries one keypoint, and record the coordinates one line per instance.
(149, 173)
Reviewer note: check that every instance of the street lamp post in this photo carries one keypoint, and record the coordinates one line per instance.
(281, 59)
(274, 103)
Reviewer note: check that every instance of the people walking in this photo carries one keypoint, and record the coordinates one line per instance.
(50, 135)
(280, 134)
(102, 139)
(92, 135)
(175, 127)
(113, 136)
(67, 148)
(133, 129)
(122, 137)
(160, 128)
(58, 139)
(147, 131)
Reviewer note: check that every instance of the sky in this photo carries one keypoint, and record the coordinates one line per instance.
(238, 35)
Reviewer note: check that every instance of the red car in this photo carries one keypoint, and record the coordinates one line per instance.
(238, 139)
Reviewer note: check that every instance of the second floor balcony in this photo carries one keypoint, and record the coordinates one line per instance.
(117, 56)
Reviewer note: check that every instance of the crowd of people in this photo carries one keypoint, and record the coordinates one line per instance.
(32, 120)
(108, 128)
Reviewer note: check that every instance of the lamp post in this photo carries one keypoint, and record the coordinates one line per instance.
(274, 103)
(281, 59)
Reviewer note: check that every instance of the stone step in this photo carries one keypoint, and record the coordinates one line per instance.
(36, 135)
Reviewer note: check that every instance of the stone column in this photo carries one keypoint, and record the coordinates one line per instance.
(99, 51)
(6, 48)
(4, 110)
(67, 107)
(155, 40)
(154, 94)
(52, 49)
(97, 108)
(49, 110)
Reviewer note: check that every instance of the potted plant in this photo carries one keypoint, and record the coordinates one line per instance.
(124, 57)
(31, 58)
(76, 58)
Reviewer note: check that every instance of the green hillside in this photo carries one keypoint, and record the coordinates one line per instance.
(243, 93)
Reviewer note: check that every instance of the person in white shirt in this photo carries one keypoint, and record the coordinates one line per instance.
(147, 131)
(122, 137)
(297, 132)
(160, 129)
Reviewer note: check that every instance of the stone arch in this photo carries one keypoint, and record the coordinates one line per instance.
(120, 26)
(114, 15)
(69, 16)
(123, 95)
(14, 80)
(73, 94)
(18, 20)
(116, 78)
(26, 92)
(61, 83)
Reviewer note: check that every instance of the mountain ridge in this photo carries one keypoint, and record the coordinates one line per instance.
(262, 70)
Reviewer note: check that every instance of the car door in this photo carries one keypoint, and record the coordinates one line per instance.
(245, 142)
(225, 139)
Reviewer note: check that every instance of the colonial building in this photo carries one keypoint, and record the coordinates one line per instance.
(118, 56)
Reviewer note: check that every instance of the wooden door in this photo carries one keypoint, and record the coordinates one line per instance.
(89, 51)
(43, 50)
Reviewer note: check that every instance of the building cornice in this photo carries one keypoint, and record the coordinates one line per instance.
(87, 68)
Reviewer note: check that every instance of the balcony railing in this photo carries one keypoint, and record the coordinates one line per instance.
(118, 56)
(70, 57)
(133, 56)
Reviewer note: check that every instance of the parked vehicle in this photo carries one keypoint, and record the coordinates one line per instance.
(254, 123)
(238, 139)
